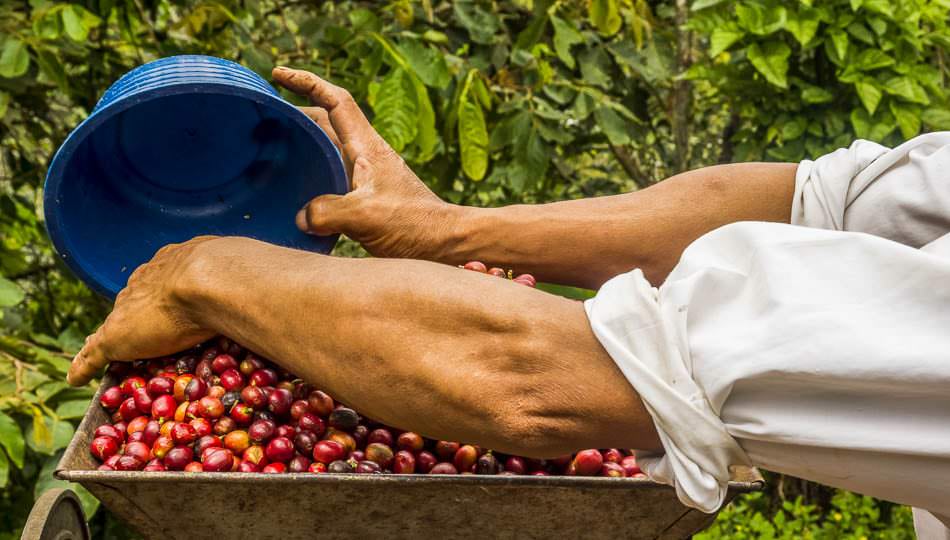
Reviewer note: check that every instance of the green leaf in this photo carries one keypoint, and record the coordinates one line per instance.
(47, 435)
(533, 33)
(861, 33)
(771, 60)
(472, 133)
(14, 60)
(703, 4)
(794, 129)
(723, 38)
(803, 25)
(4, 469)
(840, 41)
(46, 481)
(4, 103)
(884, 7)
(427, 138)
(870, 59)
(10, 293)
(605, 16)
(761, 20)
(395, 109)
(426, 62)
(814, 95)
(511, 130)
(12, 439)
(869, 94)
(595, 68)
(937, 118)
(481, 25)
(612, 125)
(72, 23)
(908, 119)
(906, 88)
(565, 36)
(69, 410)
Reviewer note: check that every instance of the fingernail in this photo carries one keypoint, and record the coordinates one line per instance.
(301, 220)
(282, 68)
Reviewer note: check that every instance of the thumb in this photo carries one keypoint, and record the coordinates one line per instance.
(325, 215)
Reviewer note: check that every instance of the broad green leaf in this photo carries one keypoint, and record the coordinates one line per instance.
(723, 38)
(395, 109)
(472, 132)
(884, 7)
(4, 103)
(771, 60)
(612, 125)
(69, 410)
(877, 24)
(565, 36)
(761, 20)
(427, 138)
(908, 119)
(4, 469)
(52, 68)
(869, 94)
(840, 41)
(937, 118)
(12, 439)
(48, 26)
(861, 33)
(481, 25)
(703, 4)
(794, 128)
(906, 88)
(46, 481)
(14, 60)
(803, 25)
(605, 16)
(872, 128)
(533, 33)
(512, 129)
(72, 23)
(814, 95)
(595, 68)
(856, 4)
(47, 435)
(870, 59)
(10, 293)
(426, 62)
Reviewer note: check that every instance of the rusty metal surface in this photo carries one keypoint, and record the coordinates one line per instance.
(56, 515)
(173, 505)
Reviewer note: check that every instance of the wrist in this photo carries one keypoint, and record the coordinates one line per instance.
(460, 227)
(202, 277)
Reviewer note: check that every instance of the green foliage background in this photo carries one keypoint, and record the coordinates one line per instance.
(492, 103)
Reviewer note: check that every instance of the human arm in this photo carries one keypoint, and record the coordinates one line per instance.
(581, 242)
(446, 352)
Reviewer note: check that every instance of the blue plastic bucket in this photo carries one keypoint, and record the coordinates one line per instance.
(180, 147)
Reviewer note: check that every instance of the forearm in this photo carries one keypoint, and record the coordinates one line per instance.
(586, 242)
(422, 346)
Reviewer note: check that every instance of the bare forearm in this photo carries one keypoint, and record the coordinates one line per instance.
(586, 242)
(422, 346)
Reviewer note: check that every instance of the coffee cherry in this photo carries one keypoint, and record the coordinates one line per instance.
(163, 407)
(103, 447)
(446, 450)
(139, 450)
(305, 441)
(497, 272)
(181, 412)
(516, 465)
(320, 403)
(360, 434)
(343, 438)
(254, 397)
(409, 441)
(186, 364)
(612, 455)
(202, 426)
(312, 423)
(160, 386)
(151, 432)
(128, 410)
(154, 465)
(183, 433)
(561, 461)
(380, 435)
(344, 418)
(250, 364)
(237, 441)
(476, 266)
(630, 467)
(298, 464)
(222, 363)
(299, 407)
(129, 384)
(194, 466)
(129, 463)
(261, 430)
(203, 370)
(162, 445)
(248, 467)
(487, 464)
(328, 451)
(612, 469)
(425, 461)
(274, 468)
(404, 462)
(357, 456)
(232, 380)
(279, 449)
(210, 408)
(207, 441)
(181, 382)
(588, 462)
(285, 430)
(380, 453)
(443, 468)
(216, 391)
(223, 426)
(107, 430)
(196, 389)
(340, 466)
(143, 401)
(317, 467)
(526, 279)
(278, 402)
(263, 377)
(255, 454)
(368, 467)
(137, 424)
(111, 398)
(242, 414)
(465, 457)
(540, 473)
(138, 436)
(218, 460)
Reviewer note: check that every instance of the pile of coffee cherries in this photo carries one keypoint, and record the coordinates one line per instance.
(221, 408)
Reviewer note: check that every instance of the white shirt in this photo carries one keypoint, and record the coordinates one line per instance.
(819, 349)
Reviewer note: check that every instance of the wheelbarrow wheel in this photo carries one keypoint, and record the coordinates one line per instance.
(56, 515)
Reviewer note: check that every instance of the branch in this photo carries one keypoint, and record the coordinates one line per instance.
(629, 163)
(682, 89)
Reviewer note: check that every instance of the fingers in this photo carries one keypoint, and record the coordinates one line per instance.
(345, 115)
(325, 215)
(89, 362)
(322, 118)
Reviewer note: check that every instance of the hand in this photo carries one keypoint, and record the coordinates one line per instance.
(150, 317)
(389, 210)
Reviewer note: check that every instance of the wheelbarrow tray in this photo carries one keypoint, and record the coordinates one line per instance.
(179, 505)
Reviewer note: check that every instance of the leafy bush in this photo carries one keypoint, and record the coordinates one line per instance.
(491, 102)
